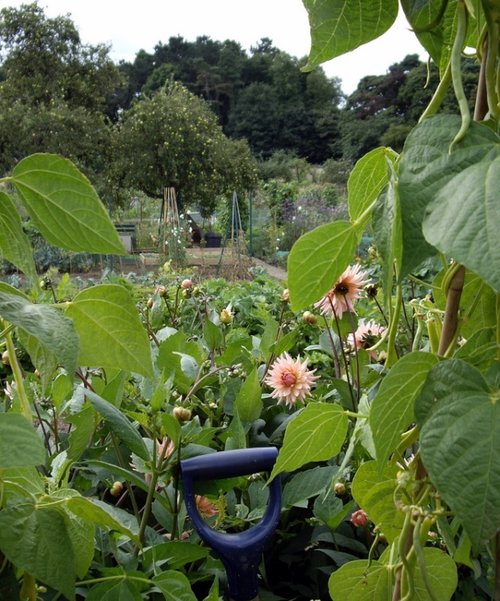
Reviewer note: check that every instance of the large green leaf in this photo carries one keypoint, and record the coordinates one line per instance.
(316, 434)
(426, 167)
(392, 408)
(174, 586)
(435, 26)
(248, 402)
(459, 415)
(317, 259)
(123, 590)
(367, 180)
(373, 490)
(104, 515)
(35, 538)
(52, 329)
(64, 206)
(20, 445)
(119, 424)
(360, 581)
(175, 552)
(462, 220)
(387, 229)
(44, 360)
(14, 243)
(339, 26)
(309, 483)
(111, 333)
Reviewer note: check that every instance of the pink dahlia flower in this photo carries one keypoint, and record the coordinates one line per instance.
(345, 291)
(290, 379)
(366, 335)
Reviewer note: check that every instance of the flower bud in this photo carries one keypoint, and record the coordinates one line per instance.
(226, 316)
(339, 488)
(182, 414)
(285, 295)
(5, 358)
(150, 303)
(309, 317)
(116, 489)
(359, 518)
(186, 284)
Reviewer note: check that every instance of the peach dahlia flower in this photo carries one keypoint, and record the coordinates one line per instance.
(290, 379)
(366, 335)
(346, 290)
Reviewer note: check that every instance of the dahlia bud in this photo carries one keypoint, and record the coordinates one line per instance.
(309, 317)
(150, 303)
(285, 295)
(339, 488)
(5, 358)
(186, 284)
(116, 489)
(182, 414)
(359, 518)
(226, 316)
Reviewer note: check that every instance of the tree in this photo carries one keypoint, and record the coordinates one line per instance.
(172, 139)
(44, 60)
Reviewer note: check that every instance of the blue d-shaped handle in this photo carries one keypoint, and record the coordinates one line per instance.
(241, 552)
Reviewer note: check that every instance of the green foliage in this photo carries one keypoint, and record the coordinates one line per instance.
(388, 414)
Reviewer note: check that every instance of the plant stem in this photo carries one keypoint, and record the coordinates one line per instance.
(18, 376)
(450, 321)
(336, 363)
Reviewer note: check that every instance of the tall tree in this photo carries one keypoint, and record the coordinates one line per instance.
(172, 139)
(44, 60)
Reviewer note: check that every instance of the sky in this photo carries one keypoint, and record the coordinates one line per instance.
(131, 25)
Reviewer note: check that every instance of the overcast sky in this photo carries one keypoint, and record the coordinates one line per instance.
(129, 25)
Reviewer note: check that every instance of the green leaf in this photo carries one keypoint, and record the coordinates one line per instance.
(42, 358)
(175, 553)
(14, 243)
(373, 490)
(80, 437)
(174, 586)
(213, 594)
(268, 338)
(20, 445)
(316, 434)
(426, 167)
(119, 424)
(104, 515)
(172, 427)
(442, 575)
(80, 532)
(329, 510)
(35, 538)
(339, 26)
(123, 590)
(388, 235)
(248, 402)
(360, 581)
(392, 407)
(52, 329)
(111, 333)
(64, 206)
(435, 30)
(212, 335)
(462, 220)
(307, 484)
(367, 180)
(317, 260)
(460, 444)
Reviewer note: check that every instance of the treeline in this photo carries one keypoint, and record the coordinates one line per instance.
(59, 95)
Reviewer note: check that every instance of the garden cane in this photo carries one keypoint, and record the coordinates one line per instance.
(241, 552)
